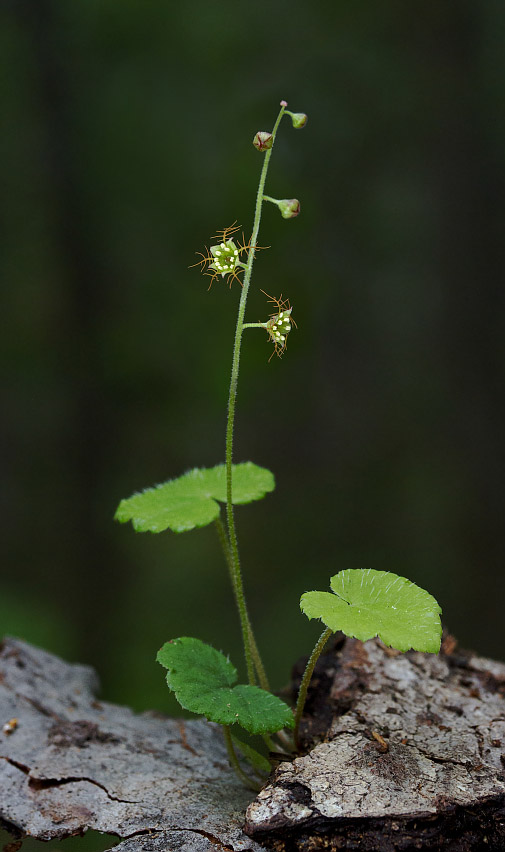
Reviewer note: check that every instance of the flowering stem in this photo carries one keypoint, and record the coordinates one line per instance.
(302, 694)
(258, 665)
(252, 325)
(247, 633)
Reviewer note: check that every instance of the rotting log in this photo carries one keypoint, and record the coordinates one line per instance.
(403, 752)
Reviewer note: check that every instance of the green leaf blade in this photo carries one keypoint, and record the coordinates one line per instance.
(368, 603)
(155, 511)
(249, 482)
(259, 711)
(192, 500)
(191, 661)
(323, 605)
(203, 681)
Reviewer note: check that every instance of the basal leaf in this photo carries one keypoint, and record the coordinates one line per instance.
(190, 501)
(377, 603)
(199, 666)
(203, 681)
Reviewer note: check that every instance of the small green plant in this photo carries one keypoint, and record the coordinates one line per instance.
(362, 603)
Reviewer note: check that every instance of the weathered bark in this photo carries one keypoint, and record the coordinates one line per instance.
(404, 752)
(73, 763)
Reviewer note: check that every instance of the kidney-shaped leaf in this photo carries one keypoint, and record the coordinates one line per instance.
(369, 603)
(190, 501)
(203, 681)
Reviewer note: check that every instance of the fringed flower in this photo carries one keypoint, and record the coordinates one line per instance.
(279, 325)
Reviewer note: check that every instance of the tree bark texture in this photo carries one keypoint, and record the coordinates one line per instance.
(401, 752)
(404, 752)
(73, 763)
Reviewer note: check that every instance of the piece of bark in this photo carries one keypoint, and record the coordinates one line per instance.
(404, 752)
(71, 763)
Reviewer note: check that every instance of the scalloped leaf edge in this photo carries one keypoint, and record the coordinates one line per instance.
(201, 499)
(428, 644)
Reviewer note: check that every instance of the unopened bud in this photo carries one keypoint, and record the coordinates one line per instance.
(263, 140)
(289, 207)
(299, 119)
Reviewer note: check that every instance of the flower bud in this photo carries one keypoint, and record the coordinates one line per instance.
(289, 207)
(263, 140)
(299, 119)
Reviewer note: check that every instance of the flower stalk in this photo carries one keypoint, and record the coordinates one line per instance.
(258, 664)
(247, 633)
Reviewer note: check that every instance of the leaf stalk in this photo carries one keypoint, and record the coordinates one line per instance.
(304, 685)
(234, 761)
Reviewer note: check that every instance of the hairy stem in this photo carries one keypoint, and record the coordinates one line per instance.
(285, 740)
(232, 535)
(232, 756)
(258, 665)
(302, 694)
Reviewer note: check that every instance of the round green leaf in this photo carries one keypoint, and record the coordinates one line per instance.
(195, 667)
(203, 681)
(249, 482)
(369, 603)
(190, 501)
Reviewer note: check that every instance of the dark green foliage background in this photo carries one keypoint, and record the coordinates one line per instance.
(126, 142)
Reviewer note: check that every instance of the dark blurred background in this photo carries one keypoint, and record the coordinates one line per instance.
(126, 143)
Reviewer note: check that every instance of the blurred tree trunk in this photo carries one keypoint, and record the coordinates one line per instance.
(83, 441)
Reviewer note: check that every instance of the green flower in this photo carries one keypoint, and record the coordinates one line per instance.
(225, 256)
(222, 259)
(280, 324)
